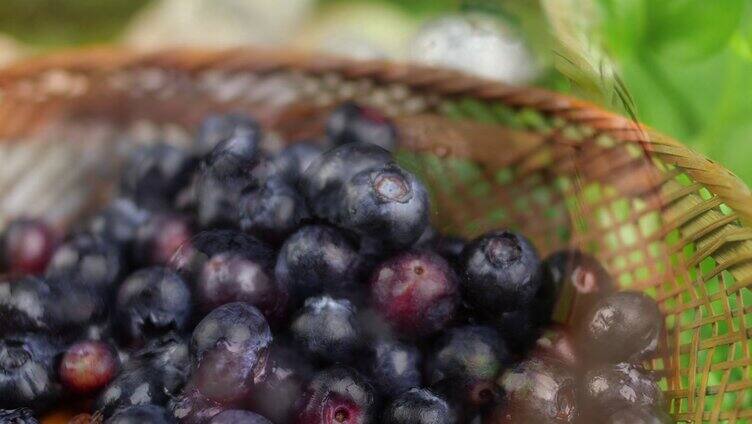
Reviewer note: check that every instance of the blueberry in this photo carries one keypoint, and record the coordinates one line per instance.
(624, 326)
(416, 291)
(228, 277)
(48, 304)
(500, 272)
(234, 416)
(395, 367)
(27, 246)
(639, 415)
(519, 328)
(89, 260)
(28, 377)
(141, 414)
(153, 175)
(282, 385)
(293, 160)
(217, 128)
(217, 198)
(192, 256)
(539, 390)
(272, 211)
(353, 123)
(386, 203)
(191, 407)
(170, 355)
(150, 303)
(558, 343)
(419, 406)
(450, 247)
(160, 236)
(339, 395)
(17, 416)
(88, 366)
(322, 182)
(134, 385)
(236, 155)
(579, 277)
(119, 222)
(230, 347)
(316, 259)
(328, 329)
(609, 388)
(469, 359)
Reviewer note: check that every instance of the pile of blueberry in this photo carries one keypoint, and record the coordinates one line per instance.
(230, 284)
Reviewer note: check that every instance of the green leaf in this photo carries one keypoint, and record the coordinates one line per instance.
(691, 30)
(625, 24)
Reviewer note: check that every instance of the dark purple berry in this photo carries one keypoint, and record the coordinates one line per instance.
(234, 416)
(419, 406)
(219, 128)
(519, 328)
(292, 161)
(538, 390)
(394, 367)
(500, 272)
(153, 175)
(150, 303)
(135, 385)
(417, 292)
(170, 355)
(228, 277)
(17, 416)
(558, 342)
(28, 377)
(88, 366)
(580, 279)
(160, 236)
(119, 222)
(609, 388)
(316, 259)
(353, 123)
(339, 395)
(191, 407)
(91, 261)
(639, 415)
(328, 329)
(272, 211)
(469, 359)
(141, 414)
(624, 326)
(27, 247)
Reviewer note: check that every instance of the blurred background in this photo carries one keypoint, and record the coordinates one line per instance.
(681, 66)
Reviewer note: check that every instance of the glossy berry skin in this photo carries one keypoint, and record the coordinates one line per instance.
(417, 292)
(386, 203)
(558, 343)
(230, 347)
(91, 261)
(153, 175)
(134, 385)
(579, 277)
(639, 415)
(17, 416)
(28, 376)
(27, 247)
(192, 407)
(293, 160)
(538, 390)
(88, 366)
(328, 329)
(394, 367)
(338, 395)
(469, 359)
(282, 385)
(419, 406)
(234, 416)
(141, 414)
(609, 388)
(500, 272)
(353, 123)
(152, 302)
(192, 256)
(119, 222)
(272, 211)
(216, 129)
(170, 356)
(624, 326)
(160, 236)
(228, 277)
(316, 259)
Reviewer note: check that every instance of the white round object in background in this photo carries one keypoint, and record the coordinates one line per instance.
(477, 44)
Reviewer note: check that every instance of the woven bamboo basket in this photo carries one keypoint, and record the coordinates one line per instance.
(662, 218)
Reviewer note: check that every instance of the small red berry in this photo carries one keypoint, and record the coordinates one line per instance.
(27, 246)
(88, 366)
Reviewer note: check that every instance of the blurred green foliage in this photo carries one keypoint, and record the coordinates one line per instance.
(681, 66)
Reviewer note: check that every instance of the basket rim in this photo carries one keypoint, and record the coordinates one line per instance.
(107, 59)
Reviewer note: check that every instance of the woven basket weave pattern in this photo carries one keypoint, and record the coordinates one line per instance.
(662, 218)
